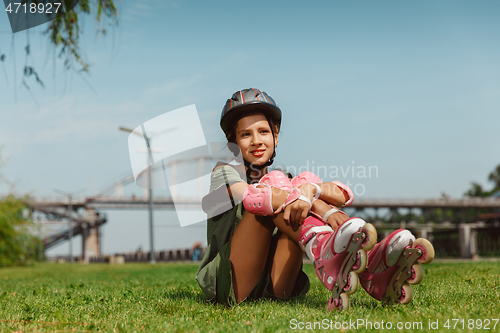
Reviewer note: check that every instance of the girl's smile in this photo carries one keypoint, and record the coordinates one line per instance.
(258, 152)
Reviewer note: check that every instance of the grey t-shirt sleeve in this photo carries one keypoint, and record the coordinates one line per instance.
(218, 200)
(224, 175)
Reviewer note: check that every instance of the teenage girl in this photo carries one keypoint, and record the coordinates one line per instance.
(260, 223)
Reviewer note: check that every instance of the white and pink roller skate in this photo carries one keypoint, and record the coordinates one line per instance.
(338, 256)
(394, 264)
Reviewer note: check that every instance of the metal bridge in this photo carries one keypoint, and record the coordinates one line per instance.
(388, 213)
(88, 224)
(132, 202)
(51, 215)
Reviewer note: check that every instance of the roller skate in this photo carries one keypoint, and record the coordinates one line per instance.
(338, 256)
(394, 264)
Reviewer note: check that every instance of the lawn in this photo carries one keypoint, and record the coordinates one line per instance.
(166, 298)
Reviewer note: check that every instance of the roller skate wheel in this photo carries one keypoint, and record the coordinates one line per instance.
(371, 237)
(406, 294)
(417, 274)
(341, 304)
(352, 283)
(361, 261)
(427, 250)
(344, 303)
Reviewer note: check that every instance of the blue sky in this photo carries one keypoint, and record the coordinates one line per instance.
(412, 88)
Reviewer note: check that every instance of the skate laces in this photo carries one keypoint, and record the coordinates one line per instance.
(324, 247)
(376, 258)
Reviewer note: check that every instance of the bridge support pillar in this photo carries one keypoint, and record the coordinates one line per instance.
(424, 233)
(90, 242)
(468, 242)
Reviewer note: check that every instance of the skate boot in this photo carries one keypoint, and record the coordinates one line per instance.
(394, 264)
(338, 256)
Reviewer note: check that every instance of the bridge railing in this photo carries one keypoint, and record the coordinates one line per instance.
(174, 255)
(450, 240)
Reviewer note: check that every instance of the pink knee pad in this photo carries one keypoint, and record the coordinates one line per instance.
(277, 179)
(347, 191)
(305, 177)
(258, 200)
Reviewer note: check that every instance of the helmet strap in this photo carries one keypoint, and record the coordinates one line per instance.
(252, 167)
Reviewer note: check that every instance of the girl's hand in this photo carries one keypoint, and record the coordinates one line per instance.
(295, 214)
(320, 208)
(336, 219)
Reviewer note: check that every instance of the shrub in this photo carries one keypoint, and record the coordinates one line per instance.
(17, 245)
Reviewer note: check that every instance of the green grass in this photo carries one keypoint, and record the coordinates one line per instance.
(166, 298)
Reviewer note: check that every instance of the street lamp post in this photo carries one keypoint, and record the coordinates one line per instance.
(150, 204)
(150, 201)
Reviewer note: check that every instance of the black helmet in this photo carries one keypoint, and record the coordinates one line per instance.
(248, 100)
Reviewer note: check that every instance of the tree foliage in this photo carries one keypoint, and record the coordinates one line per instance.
(64, 32)
(477, 190)
(494, 177)
(17, 245)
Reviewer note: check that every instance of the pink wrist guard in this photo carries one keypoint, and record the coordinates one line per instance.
(325, 217)
(347, 191)
(258, 201)
(305, 177)
(277, 179)
(294, 196)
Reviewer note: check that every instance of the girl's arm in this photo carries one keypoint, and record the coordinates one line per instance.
(225, 197)
(330, 192)
(279, 196)
(294, 214)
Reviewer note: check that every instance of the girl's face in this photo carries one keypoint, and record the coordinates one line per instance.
(255, 139)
